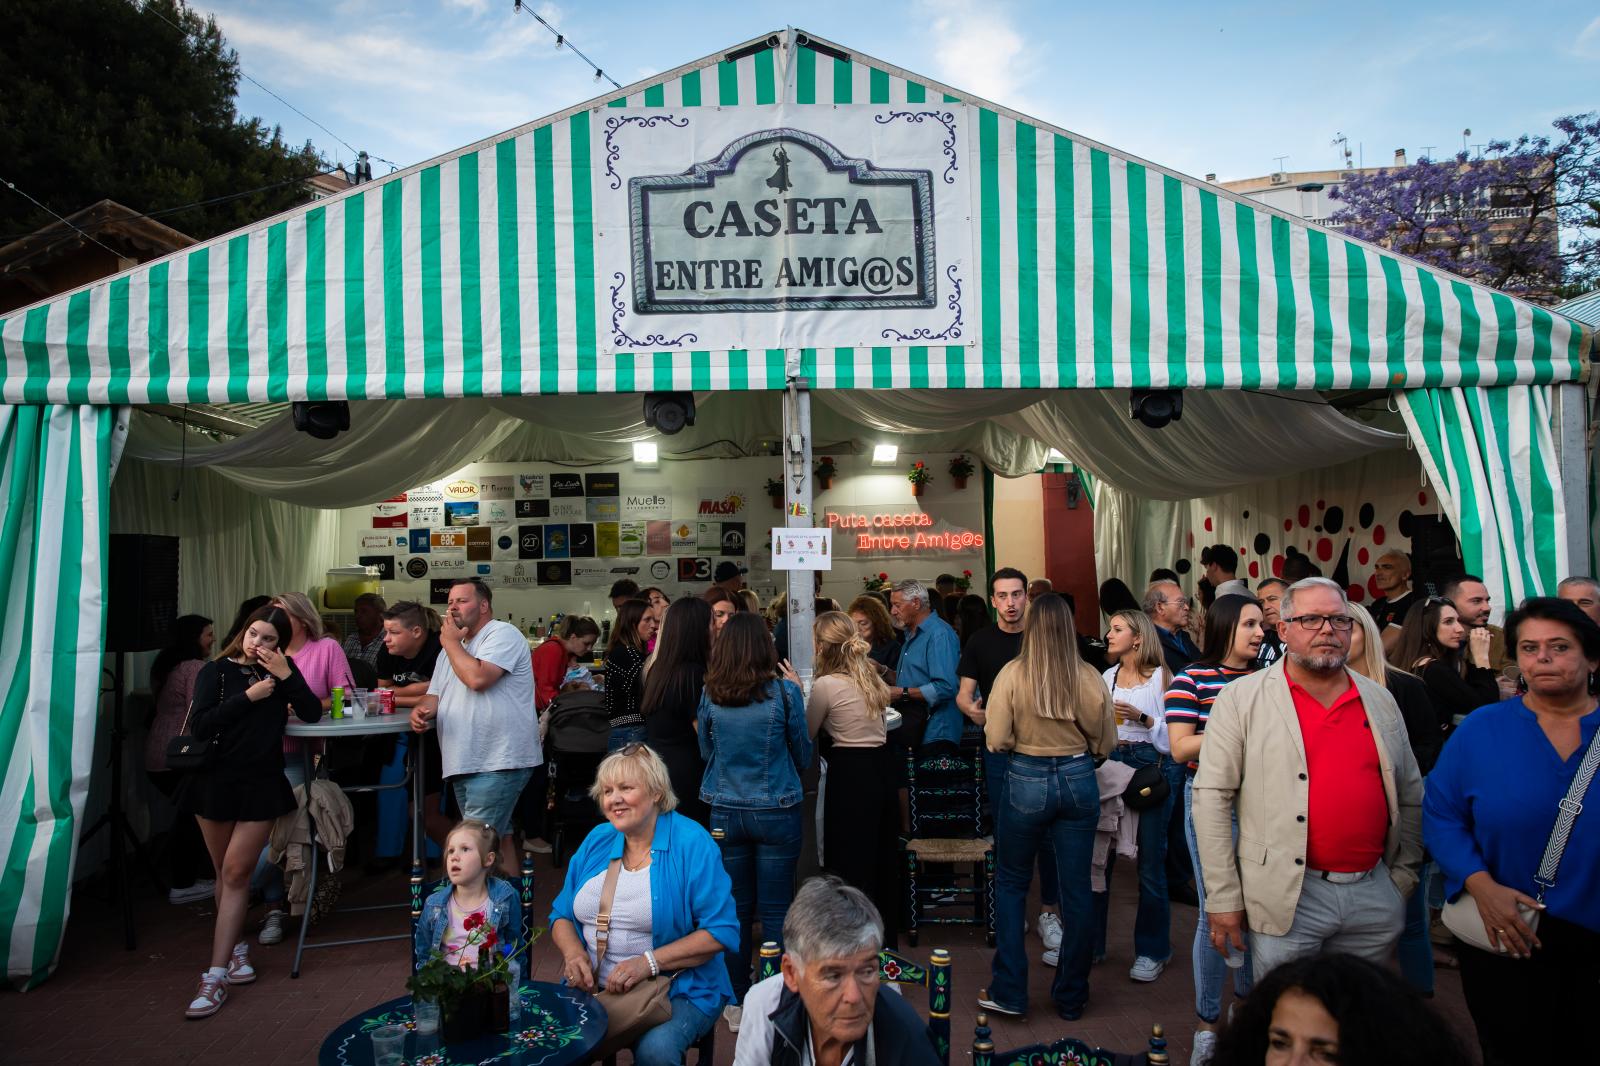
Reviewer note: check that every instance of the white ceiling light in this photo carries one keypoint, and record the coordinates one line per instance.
(644, 453)
(885, 454)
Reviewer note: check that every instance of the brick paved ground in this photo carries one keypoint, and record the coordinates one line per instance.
(109, 1005)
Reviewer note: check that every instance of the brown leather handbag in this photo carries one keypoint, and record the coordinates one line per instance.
(630, 1014)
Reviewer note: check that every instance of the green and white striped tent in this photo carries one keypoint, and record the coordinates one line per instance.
(475, 274)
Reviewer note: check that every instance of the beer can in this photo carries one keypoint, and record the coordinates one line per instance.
(386, 701)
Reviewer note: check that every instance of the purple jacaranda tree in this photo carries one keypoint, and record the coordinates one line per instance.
(1523, 217)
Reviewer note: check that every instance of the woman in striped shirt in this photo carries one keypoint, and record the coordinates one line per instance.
(1232, 638)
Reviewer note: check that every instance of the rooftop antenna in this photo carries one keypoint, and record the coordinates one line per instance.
(1427, 152)
(1341, 142)
(1280, 159)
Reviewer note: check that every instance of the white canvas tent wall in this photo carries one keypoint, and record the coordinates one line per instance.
(474, 275)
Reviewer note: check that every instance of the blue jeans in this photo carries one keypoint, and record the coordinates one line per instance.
(1210, 970)
(1152, 923)
(994, 773)
(1051, 799)
(623, 735)
(1416, 949)
(759, 850)
(668, 1043)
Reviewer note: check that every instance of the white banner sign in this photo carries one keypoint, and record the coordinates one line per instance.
(783, 226)
(802, 549)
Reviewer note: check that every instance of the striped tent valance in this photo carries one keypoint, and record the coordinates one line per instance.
(476, 274)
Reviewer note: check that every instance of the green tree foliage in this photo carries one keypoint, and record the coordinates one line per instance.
(100, 99)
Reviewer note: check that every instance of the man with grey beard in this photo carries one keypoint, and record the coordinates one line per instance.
(1312, 760)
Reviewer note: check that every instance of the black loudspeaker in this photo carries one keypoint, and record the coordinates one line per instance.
(142, 593)
(1435, 555)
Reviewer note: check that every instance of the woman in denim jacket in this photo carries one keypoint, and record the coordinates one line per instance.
(754, 739)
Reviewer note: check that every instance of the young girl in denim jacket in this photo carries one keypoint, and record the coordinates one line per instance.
(471, 898)
(754, 740)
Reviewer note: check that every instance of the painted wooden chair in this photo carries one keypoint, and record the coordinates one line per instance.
(948, 832)
(1066, 1051)
(898, 969)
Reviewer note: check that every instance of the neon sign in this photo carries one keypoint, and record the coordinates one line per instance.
(906, 532)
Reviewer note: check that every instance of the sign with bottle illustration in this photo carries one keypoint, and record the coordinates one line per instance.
(783, 226)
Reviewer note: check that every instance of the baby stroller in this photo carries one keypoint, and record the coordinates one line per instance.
(574, 743)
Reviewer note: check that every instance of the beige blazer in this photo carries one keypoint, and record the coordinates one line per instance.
(1253, 761)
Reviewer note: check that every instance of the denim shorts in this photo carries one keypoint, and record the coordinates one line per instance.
(491, 796)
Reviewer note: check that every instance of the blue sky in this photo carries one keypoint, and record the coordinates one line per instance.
(1197, 87)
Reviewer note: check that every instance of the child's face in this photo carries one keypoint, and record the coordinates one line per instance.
(464, 858)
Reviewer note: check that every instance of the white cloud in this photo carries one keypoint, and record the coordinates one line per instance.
(1587, 46)
(977, 49)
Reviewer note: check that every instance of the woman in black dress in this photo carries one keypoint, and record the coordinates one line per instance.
(672, 696)
(242, 702)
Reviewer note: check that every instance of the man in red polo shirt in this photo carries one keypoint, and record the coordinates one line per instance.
(1314, 762)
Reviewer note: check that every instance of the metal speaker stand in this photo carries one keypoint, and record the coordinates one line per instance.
(115, 819)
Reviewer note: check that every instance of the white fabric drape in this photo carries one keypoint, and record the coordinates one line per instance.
(1133, 536)
(233, 543)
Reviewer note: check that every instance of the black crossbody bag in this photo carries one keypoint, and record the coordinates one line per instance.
(187, 752)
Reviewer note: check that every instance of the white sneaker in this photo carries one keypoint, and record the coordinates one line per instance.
(209, 997)
(1050, 930)
(193, 894)
(272, 928)
(240, 972)
(733, 1014)
(1205, 1044)
(1050, 956)
(536, 846)
(1146, 969)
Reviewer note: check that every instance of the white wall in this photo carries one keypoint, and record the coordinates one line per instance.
(1019, 523)
(738, 484)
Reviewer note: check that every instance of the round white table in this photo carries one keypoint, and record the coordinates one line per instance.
(361, 726)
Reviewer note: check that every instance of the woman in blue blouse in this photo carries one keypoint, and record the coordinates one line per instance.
(1490, 803)
(672, 912)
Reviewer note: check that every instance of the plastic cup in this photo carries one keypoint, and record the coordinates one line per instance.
(426, 1014)
(1235, 958)
(389, 1045)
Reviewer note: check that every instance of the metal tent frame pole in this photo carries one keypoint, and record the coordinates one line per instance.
(797, 515)
(1572, 455)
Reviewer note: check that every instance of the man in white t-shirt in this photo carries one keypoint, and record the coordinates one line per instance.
(481, 700)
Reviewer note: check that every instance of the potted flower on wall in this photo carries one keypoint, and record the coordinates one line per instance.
(775, 493)
(961, 468)
(825, 471)
(876, 583)
(918, 476)
(964, 582)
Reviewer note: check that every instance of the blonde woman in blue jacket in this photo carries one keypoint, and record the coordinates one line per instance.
(673, 909)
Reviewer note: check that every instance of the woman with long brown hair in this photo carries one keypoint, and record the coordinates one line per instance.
(860, 812)
(636, 628)
(1052, 712)
(753, 738)
(673, 685)
(242, 702)
(873, 623)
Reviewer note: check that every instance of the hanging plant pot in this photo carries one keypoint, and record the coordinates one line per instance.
(959, 482)
(777, 502)
(824, 484)
(916, 488)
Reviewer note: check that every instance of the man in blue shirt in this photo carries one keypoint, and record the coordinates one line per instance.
(926, 677)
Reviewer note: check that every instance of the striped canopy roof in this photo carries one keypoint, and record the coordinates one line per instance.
(475, 274)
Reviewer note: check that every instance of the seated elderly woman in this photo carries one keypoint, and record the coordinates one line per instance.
(824, 1004)
(672, 913)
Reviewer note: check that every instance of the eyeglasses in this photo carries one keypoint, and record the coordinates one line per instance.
(1339, 623)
